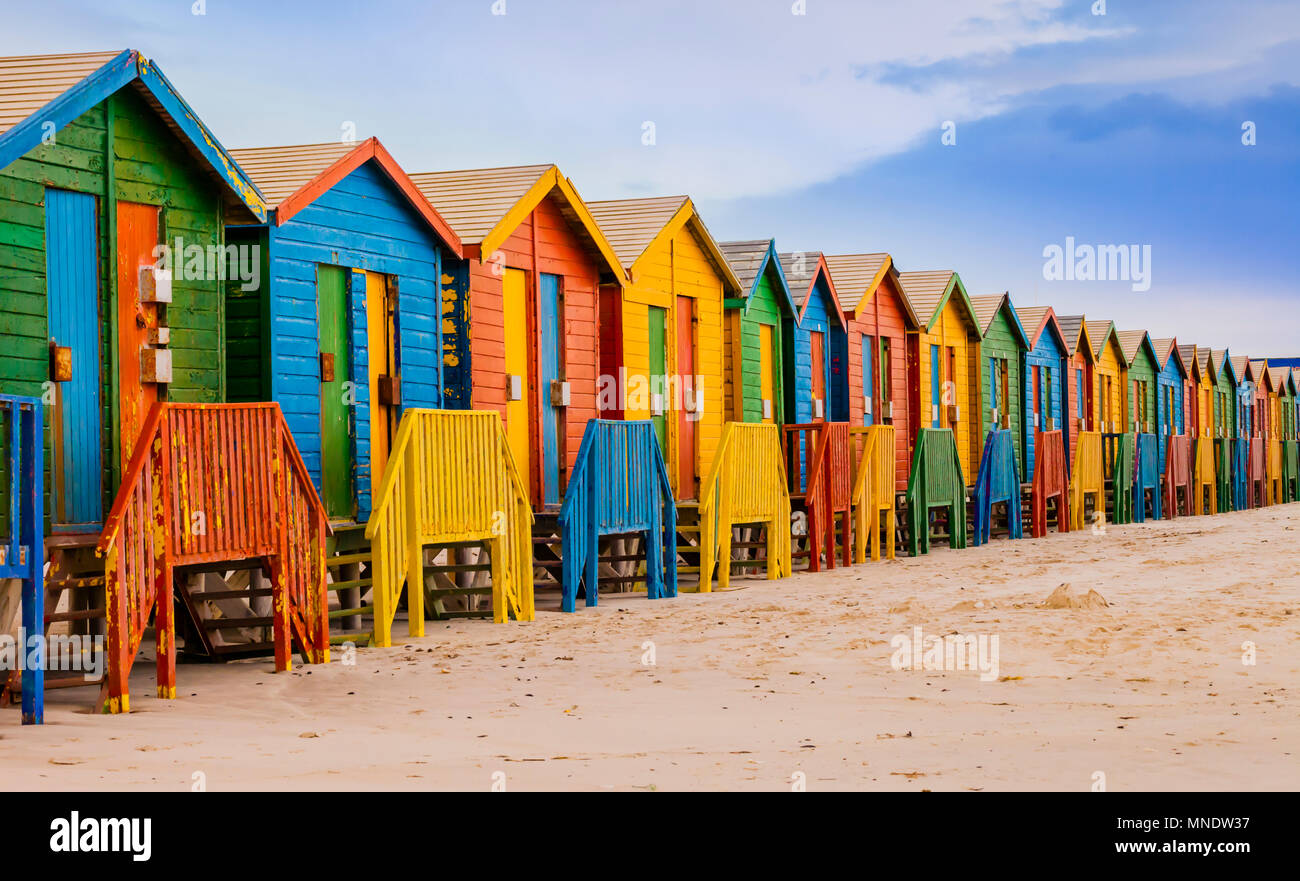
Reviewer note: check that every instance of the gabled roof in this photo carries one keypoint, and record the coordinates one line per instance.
(1259, 373)
(1290, 381)
(1133, 341)
(485, 205)
(929, 292)
(1190, 355)
(1241, 368)
(632, 226)
(802, 269)
(1036, 319)
(1098, 333)
(1074, 327)
(57, 89)
(986, 309)
(749, 260)
(1166, 349)
(859, 276)
(292, 178)
(1223, 363)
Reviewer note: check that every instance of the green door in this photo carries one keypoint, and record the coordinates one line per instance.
(336, 394)
(658, 371)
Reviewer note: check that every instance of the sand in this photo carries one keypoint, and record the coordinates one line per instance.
(771, 685)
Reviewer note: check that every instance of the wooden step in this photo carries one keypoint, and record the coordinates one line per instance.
(364, 638)
(77, 583)
(79, 615)
(360, 584)
(351, 613)
(236, 623)
(232, 594)
(346, 559)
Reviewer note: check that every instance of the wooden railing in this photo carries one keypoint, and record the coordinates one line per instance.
(873, 490)
(1205, 482)
(22, 549)
(998, 482)
(936, 482)
(1088, 477)
(619, 486)
(1178, 473)
(211, 483)
(1118, 452)
(1051, 481)
(820, 469)
(1146, 477)
(746, 484)
(450, 478)
(1273, 472)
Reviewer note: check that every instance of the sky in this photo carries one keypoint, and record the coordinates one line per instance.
(971, 135)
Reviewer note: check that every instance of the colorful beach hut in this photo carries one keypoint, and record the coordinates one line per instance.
(879, 317)
(1189, 353)
(1171, 388)
(669, 319)
(345, 330)
(1047, 376)
(1140, 362)
(1112, 378)
(1003, 347)
(1230, 463)
(943, 356)
(520, 317)
(102, 162)
(816, 341)
(1081, 381)
(753, 334)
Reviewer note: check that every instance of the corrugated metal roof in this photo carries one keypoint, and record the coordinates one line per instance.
(800, 269)
(631, 225)
(474, 201)
(854, 274)
(925, 291)
(1129, 342)
(28, 83)
(1098, 331)
(986, 309)
(279, 172)
(1072, 327)
(746, 259)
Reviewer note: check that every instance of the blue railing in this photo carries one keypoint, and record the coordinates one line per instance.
(1146, 476)
(1240, 473)
(22, 551)
(999, 481)
(618, 487)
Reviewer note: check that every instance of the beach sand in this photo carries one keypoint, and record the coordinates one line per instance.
(769, 686)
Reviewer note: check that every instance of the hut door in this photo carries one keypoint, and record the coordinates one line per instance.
(767, 373)
(817, 355)
(658, 335)
(514, 289)
(72, 275)
(548, 312)
(1038, 424)
(868, 382)
(137, 237)
(837, 409)
(336, 394)
(385, 395)
(687, 414)
(936, 387)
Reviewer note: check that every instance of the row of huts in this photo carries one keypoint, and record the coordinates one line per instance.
(141, 263)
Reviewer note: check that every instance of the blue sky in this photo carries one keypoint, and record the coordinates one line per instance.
(822, 129)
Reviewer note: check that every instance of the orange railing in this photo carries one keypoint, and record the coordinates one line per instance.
(211, 483)
(820, 469)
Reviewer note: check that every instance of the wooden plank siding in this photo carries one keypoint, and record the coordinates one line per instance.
(1112, 411)
(766, 306)
(1047, 352)
(1140, 390)
(118, 150)
(814, 295)
(878, 317)
(1004, 340)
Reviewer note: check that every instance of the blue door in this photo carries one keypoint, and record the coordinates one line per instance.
(936, 387)
(73, 302)
(549, 351)
(868, 382)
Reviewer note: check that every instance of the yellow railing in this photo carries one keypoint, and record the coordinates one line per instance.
(1089, 477)
(1204, 476)
(450, 478)
(873, 489)
(745, 485)
(1273, 472)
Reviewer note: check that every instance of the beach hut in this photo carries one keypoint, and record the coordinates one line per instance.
(753, 334)
(102, 162)
(943, 357)
(521, 316)
(1047, 377)
(1112, 377)
(1004, 345)
(1081, 411)
(1140, 362)
(1230, 463)
(1287, 432)
(1171, 386)
(669, 318)
(344, 332)
(816, 342)
(1189, 353)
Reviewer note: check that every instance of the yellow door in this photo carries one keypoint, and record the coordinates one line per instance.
(515, 309)
(379, 340)
(767, 389)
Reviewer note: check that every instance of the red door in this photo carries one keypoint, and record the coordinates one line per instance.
(818, 357)
(686, 413)
(137, 237)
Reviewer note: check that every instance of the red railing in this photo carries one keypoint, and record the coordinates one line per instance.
(820, 468)
(1178, 473)
(211, 483)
